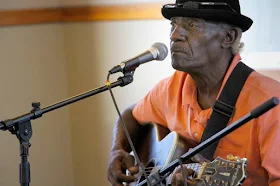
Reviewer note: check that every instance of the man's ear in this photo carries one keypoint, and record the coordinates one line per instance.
(230, 37)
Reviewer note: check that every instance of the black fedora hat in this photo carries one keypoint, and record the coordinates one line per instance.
(227, 11)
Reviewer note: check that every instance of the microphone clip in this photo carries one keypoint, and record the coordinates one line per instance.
(127, 78)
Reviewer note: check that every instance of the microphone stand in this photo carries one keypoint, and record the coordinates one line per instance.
(21, 125)
(160, 175)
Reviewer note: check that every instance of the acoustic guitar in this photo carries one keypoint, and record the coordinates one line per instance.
(159, 147)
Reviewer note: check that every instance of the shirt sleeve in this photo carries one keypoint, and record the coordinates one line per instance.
(269, 138)
(151, 107)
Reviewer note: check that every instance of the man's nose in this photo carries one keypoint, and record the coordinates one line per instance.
(178, 34)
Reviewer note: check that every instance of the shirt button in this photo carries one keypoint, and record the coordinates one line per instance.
(195, 134)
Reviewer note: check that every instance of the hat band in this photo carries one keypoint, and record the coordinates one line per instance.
(201, 5)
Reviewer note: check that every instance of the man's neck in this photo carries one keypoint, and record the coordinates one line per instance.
(209, 81)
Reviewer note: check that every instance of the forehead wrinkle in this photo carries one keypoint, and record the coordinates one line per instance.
(188, 19)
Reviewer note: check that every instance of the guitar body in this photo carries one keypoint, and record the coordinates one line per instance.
(157, 147)
(159, 144)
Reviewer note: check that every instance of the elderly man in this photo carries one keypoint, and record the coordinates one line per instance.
(205, 45)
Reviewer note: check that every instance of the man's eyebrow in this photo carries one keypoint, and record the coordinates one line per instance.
(197, 20)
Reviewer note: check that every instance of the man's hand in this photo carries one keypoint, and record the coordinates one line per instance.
(177, 176)
(119, 162)
(198, 158)
(178, 179)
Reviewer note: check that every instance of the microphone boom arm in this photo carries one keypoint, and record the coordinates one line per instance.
(7, 124)
(22, 128)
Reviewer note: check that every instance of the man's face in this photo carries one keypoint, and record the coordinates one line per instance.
(195, 43)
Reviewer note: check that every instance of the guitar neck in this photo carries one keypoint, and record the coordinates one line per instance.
(164, 170)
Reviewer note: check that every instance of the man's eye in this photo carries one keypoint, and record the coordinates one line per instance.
(173, 25)
(191, 25)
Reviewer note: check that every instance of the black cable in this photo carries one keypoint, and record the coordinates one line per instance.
(126, 131)
(183, 171)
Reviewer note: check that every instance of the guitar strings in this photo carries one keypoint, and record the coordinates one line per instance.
(194, 166)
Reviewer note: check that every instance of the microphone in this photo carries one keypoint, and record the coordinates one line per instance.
(158, 51)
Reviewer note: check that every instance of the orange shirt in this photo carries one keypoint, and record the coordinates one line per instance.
(173, 104)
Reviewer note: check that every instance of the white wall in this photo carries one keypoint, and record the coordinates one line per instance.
(262, 49)
(33, 69)
(263, 36)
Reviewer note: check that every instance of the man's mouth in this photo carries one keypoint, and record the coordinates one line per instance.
(176, 49)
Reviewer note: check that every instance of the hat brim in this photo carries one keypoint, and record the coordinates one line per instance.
(239, 20)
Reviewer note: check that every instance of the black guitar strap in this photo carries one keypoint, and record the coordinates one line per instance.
(224, 107)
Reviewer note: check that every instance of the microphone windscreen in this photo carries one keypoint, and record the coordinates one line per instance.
(161, 50)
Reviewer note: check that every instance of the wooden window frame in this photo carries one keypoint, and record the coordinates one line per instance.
(141, 11)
